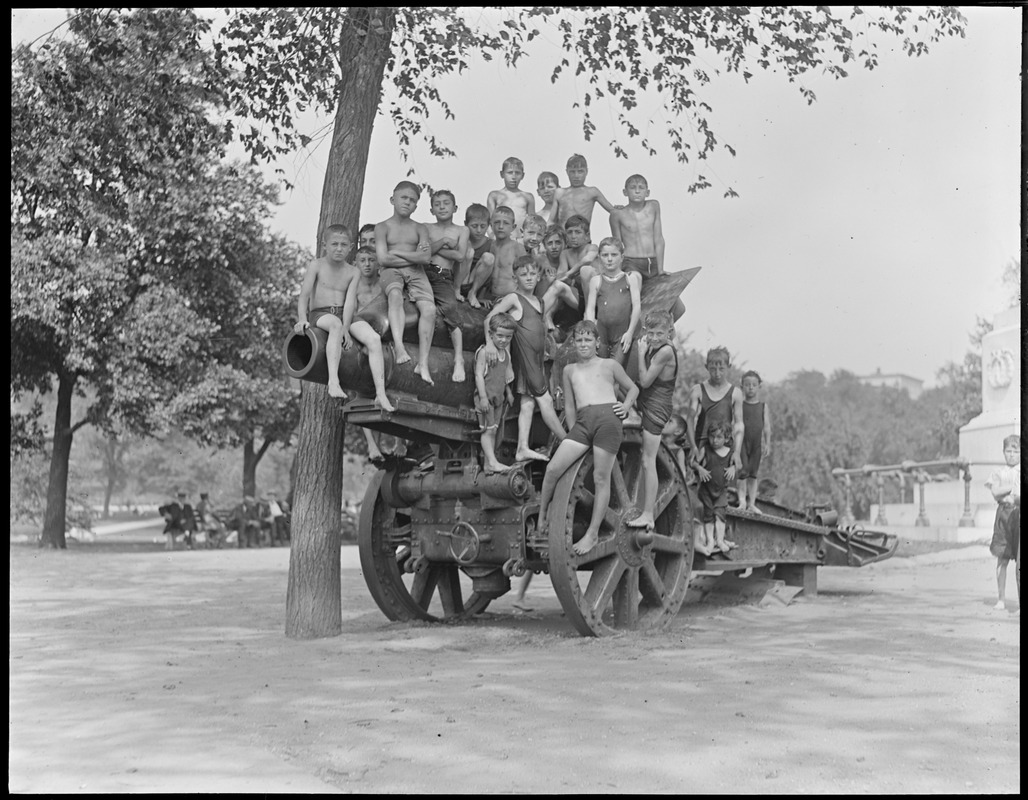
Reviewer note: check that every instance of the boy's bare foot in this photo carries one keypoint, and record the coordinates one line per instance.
(754, 510)
(421, 370)
(586, 543)
(704, 548)
(724, 545)
(522, 606)
(383, 403)
(335, 390)
(458, 371)
(473, 301)
(1000, 606)
(401, 356)
(642, 521)
(497, 468)
(524, 454)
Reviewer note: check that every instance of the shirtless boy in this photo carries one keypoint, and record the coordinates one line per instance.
(402, 248)
(449, 246)
(529, 352)
(548, 189)
(576, 260)
(533, 228)
(638, 226)
(595, 415)
(579, 199)
(499, 276)
(324, 291)
(716, 400)
(366, 319)
(476, 220)
(520, 202)
(366, 236)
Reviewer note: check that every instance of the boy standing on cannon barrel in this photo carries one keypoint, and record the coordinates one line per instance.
(579, 199)
(402, 248)
(324, 291)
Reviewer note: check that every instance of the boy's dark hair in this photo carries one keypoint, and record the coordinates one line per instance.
(577, 160)
(555, 230)
(554, 178)
(585, 326)
(504, 210)
(658, 317)
(524, 261)
(502, 320)
(680, 422)
(513, 162)
(724, 427)
(337, 228)
(719, 351)
(407, 185)
(1012, 439)
(533, 221)
(369, 226)
(442, 192)
(636, 177)
(475, 210)
(366, 250)
(577, 221)
(751, 373)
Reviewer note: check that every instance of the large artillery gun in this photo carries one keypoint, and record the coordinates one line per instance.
(430, 526)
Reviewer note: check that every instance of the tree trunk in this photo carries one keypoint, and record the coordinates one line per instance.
(57, 490)
(249, 470)
(313, 599)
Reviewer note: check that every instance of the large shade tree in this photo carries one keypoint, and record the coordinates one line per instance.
(352, 63)
(133, 245)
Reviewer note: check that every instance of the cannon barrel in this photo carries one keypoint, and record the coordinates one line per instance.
(305, 358)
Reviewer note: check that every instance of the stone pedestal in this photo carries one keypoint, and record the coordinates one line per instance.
(981, 439)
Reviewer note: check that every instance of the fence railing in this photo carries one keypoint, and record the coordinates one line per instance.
(918, 471)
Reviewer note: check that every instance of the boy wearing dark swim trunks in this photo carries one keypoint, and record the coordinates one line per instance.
(713, 490)
(529, 352)
(658, 371)
(366, 319)
(756, 440)
(492, 388)
(595, 415)
(324, 291)
(614, 302)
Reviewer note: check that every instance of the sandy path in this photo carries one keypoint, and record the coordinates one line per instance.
(137, 672)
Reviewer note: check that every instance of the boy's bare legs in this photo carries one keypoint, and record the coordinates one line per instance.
(519, 601)
(480, 275)
(719, 536)
(751, 495)
(1001, 583)
(567, 454)
(426, 327)
(603, 463)
(366, 335)
(457, 338)
(549, 415)
(700, 537)
(489, 461)
(333, 351)
(524, 452)
(651, 444)
(397, 322)
(373, 448)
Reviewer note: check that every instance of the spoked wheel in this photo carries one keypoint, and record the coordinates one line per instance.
(433, 593)
(633, 579)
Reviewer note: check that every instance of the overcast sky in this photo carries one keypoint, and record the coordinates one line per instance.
(871, 228)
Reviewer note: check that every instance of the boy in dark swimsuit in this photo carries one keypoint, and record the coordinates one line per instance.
(614, 302)
(492, 388)
(529, 350)
(595, 415)
(658, 370)
(716, 400)
(713, 491)
(756, 440)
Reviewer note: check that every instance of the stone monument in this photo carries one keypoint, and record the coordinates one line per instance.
(981, 439)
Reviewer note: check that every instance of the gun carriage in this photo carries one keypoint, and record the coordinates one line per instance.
(426, 521)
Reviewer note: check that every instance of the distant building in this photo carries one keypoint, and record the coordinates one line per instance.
(894, 380)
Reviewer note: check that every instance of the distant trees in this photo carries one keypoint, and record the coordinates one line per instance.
(143, 278)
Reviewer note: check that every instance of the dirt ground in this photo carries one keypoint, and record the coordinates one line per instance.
(149, 671)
